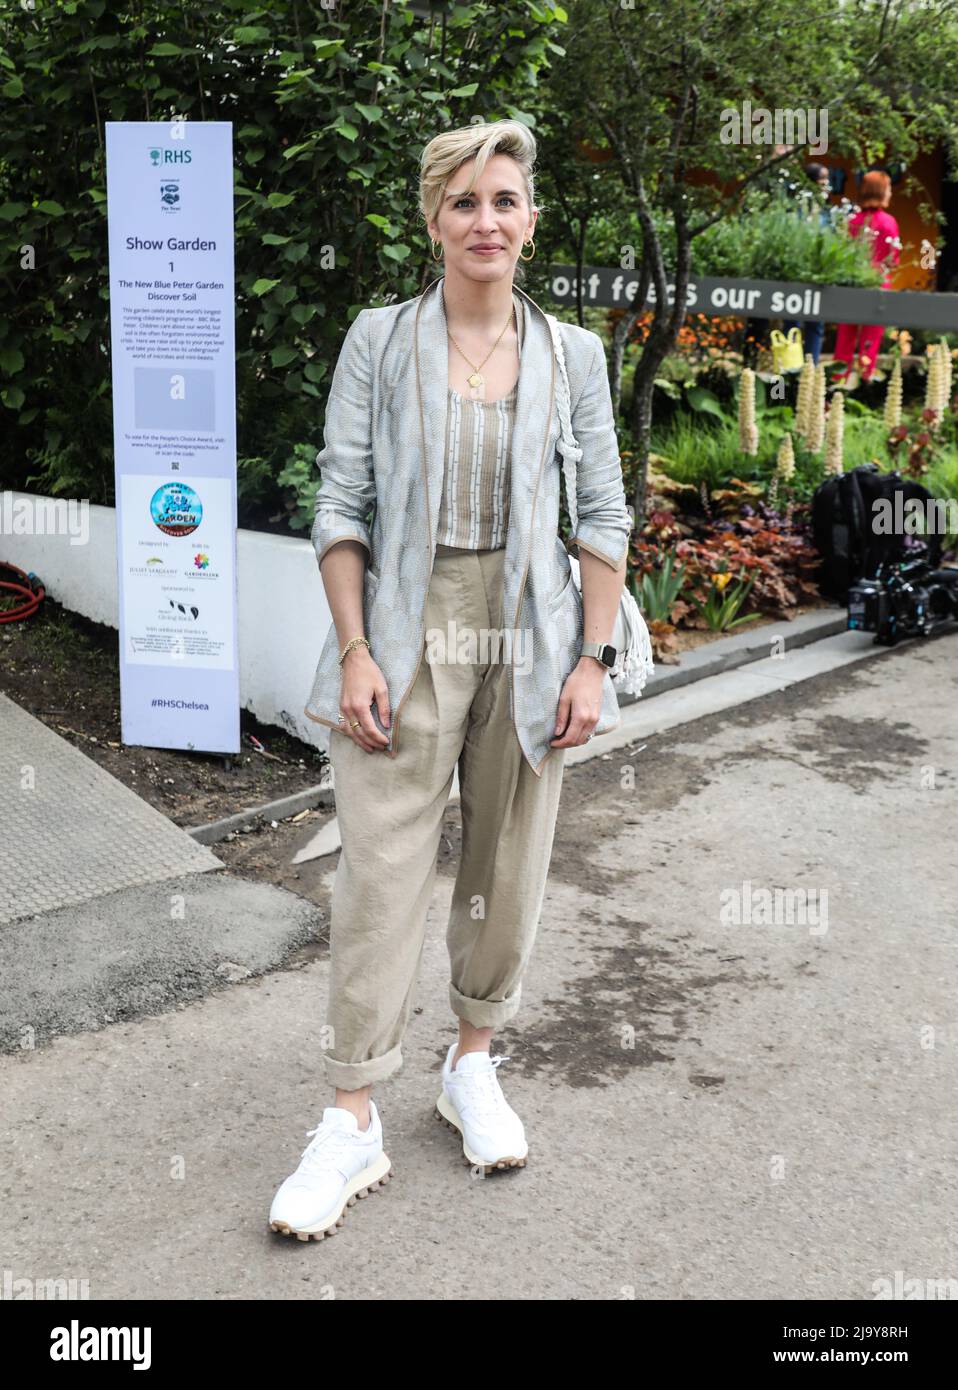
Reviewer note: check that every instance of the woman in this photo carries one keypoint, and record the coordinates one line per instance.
(859, 344)
(442, 423)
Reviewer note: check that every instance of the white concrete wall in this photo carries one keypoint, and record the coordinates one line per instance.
(283, 614)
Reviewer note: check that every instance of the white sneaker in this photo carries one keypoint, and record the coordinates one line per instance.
(472, 1104)
(341, 1164)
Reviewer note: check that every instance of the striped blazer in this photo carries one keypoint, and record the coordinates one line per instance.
(381, 473)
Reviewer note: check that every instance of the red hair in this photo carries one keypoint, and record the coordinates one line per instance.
(874, 189)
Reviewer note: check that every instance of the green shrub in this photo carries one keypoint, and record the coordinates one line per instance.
(942, 481)
(329, 114)
(775, 237)
(774, 243)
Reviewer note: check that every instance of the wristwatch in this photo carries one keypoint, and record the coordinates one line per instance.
(602, 651)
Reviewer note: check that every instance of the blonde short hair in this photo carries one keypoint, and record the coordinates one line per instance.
(444, 154)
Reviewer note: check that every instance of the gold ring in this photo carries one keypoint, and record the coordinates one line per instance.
(355, 724)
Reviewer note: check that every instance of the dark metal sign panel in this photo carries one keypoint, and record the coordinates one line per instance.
(608, 287)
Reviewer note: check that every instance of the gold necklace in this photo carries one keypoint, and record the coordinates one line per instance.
(476, 380)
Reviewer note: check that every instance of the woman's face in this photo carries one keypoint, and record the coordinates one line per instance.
(494, 214)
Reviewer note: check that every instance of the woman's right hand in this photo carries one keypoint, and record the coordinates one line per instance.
(362, 683)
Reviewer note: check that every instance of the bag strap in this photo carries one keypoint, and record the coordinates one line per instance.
(568, 445)
(635, 663)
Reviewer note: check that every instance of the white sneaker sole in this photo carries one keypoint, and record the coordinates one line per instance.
(449, 1115)
(371, 1179)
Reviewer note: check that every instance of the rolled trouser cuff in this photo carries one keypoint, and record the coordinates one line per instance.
(484, 1013)
(353, 1076)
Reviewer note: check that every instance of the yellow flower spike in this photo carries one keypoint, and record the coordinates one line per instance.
(747, 427)
(892, 410)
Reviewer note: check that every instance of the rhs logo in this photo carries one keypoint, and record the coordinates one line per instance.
(159, 157)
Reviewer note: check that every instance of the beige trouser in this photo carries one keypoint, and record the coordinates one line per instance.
(390, 815)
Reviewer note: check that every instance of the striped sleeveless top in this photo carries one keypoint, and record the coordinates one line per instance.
(474, 510)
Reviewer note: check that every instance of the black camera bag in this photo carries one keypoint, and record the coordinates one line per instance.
(843, 520)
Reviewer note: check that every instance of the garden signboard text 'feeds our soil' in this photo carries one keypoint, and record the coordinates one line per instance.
(609, 287)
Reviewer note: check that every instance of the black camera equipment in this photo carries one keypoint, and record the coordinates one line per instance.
(907, 597)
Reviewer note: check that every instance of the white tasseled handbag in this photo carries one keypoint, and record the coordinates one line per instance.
(630, 636)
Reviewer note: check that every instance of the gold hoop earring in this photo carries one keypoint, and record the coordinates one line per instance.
(531, 243)
(432, 245)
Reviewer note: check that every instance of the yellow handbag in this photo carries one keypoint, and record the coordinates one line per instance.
(787, 353)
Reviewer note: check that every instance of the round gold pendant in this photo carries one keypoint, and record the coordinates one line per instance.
(475, 379)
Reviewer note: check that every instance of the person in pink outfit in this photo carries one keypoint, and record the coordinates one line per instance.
(858, 344)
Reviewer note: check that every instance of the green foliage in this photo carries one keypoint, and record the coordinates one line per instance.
(769, 239)
(657, 589)
(653, 95)
(704, 401)
(942, 481)
(300, 476)
(693, 452)
(864, 438)
(773, 242)
(723, 603)
(330, 107)
(694, 449)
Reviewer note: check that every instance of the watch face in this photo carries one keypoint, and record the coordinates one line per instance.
(608, 655)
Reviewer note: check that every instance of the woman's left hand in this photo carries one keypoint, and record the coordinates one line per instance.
(580, 704)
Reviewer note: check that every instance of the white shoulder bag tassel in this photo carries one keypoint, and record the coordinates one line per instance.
(630, 636)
